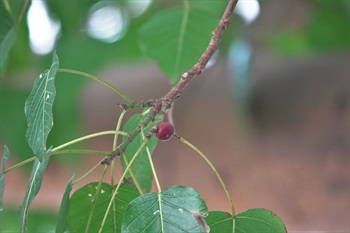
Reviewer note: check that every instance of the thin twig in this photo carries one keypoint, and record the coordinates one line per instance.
(163, 104)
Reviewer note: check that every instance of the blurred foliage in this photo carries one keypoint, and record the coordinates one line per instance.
(326, 31)
(7, 33)
(13, 124)
(37, 221)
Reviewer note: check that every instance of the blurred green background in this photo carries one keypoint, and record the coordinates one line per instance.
(310, 29)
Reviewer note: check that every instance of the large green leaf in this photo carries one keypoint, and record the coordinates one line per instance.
(6, 154)
(38, 109)
(252, 221)
(82, 201)
(62, 222)
(141, 166)
(176, 38)
(177, 209)
(7, 33)
(33, 188)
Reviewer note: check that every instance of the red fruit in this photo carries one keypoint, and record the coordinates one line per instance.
(165, 131)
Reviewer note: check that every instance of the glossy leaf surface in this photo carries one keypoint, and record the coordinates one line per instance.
(38, 109)
(176, 209)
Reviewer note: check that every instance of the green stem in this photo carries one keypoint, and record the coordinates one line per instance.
(157, 182)
(213, 169)
(20, 164)
(132, 174)
(88, 137)
(77, 151)
(87, 173)
(145, 112)
(152, 165)
(72, 151)
(119, 183)
(115, 142)
(99, 80)
(95, 199)
(69, 151)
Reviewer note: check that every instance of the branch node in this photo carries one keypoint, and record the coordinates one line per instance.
(130, 137)
(122, 106)
(148, 103)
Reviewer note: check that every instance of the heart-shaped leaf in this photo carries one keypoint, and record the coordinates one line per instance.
(252, 221)
(81, 204)
(176, 38)
(38, 109)
(177, 209)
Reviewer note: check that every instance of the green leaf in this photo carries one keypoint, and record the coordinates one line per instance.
(252, 221)
(38, 109)
(258, 221)
(176, 38)
(141, 166)
(33, 188)
(82, 200)
(62, 223)
(7, 33)
(219, 222)
(176, 209)
(6, 155)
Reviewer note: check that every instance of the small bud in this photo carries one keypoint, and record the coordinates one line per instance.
(165, 131)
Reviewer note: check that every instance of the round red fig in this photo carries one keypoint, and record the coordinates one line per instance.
(165, 131)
